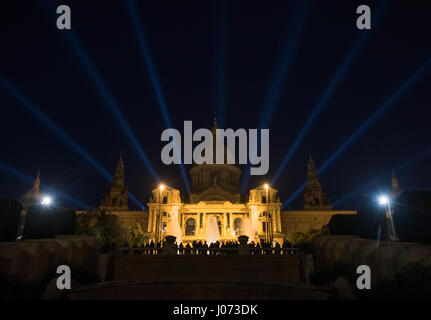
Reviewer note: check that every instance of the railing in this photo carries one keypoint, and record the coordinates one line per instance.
(207, 252)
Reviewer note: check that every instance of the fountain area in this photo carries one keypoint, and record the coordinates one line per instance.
(213, 232)
(175, 225)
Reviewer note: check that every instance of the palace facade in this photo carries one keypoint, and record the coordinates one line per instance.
(215, 198)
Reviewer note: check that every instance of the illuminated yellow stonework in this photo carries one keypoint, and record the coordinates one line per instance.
(234, 219)
(215, 193)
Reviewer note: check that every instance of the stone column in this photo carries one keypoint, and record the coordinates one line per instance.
(224, 229)
(150, 221)
(231, 223)
(198, 224)
(278, 220)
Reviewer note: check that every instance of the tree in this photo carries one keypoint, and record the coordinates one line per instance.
(105, 226)
(136, 236)
(304, 240)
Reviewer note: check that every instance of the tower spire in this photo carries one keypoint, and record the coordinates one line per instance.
(117, 197)
(396, 190)
(36, 185)
(315, 197)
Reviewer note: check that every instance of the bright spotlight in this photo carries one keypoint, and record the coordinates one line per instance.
(46, 201)
(162, 187)
(383, 200)
(266, 186)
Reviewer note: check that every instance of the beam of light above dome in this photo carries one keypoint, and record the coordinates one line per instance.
(220, 59)
(285, 55)
(145, 50)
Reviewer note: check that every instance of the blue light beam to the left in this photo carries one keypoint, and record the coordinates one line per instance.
(145, 50)
(107, 97)
(52, 191)
(28, 105)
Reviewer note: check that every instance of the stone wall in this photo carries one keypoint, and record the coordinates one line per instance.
(34, 259)
(291, 221)
(302, 221)
(193, 290)
(385, 259)
(131, 218)
(263, 269)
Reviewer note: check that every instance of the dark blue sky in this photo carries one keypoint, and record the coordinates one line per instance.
(223, 57)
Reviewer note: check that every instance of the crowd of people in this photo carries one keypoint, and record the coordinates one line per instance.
(217, 248)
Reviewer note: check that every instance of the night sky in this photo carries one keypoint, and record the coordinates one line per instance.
(245, 61)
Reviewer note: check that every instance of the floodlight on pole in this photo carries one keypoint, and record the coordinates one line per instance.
(385, 201)
(46, 201)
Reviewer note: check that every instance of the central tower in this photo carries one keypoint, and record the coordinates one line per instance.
(215, 182)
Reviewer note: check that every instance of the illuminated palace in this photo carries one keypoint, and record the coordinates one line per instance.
(216, 208)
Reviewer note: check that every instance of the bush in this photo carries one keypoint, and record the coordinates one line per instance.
(136, 237)
(10, 216)
(304, 240)
(105, 226)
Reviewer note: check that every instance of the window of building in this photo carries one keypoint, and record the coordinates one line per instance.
(264, 226)
(165, 199)
(190, 227)
(165, 226)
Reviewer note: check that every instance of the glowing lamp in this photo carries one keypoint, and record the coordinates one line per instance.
(46, 201)
(383, 200)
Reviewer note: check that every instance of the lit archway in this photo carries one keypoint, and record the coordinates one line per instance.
(238, 227)
(190, 227)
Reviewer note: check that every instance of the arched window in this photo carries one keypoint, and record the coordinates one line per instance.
(190, 227)
(263, 199)
(238, 227)
(165, 199)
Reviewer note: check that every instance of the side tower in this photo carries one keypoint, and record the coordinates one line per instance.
(315, 197)
(264, 209)
(396, 190)
(117, 197)
(32, 196)
(164, 210)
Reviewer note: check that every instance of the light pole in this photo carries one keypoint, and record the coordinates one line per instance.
(385, 201)
(268, 231)
(159, 217)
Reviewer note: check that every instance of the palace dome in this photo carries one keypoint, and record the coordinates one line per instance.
(215, 182)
